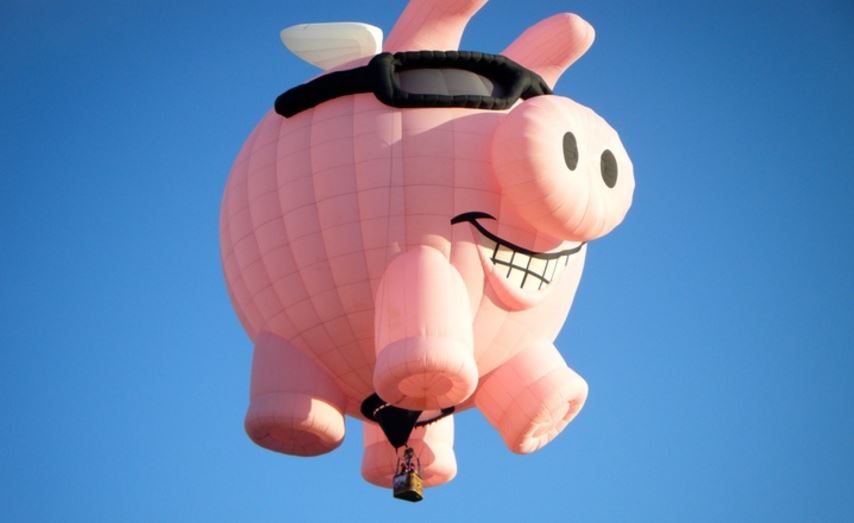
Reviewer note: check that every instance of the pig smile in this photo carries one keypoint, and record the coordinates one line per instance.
(525, 269)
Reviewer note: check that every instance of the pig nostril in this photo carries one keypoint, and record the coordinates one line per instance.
(570, 151)
(608, 166)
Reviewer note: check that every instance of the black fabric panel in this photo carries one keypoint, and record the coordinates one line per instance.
(322, 89)
(384, 87)
(397, 424)
(570, 151)
(608, 166)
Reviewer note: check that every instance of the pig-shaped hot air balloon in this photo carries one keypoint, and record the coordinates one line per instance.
(403, 235)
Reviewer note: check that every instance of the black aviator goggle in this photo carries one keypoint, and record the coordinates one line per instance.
(423, 79)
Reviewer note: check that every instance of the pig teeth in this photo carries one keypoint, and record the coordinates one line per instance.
(525, 269)
(529, 272)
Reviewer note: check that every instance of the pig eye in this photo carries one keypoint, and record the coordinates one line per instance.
(570, 151)
(608, 165)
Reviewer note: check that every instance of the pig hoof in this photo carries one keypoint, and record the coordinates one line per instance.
(544, 411)
(294, 424)
(422, 373)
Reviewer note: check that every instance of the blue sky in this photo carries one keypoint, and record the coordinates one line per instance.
(715, 326)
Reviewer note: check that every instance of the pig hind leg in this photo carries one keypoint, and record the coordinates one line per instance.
(295, 407)
(433, 445)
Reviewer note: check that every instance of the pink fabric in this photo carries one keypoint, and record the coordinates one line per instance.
(431, 24)
(344, 268)
(532, 397)
(572, 205)
(295, 406)
(552, 45)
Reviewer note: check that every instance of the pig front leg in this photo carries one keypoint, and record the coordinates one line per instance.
(295, 406)
(433, 445)
(423, 332)
(531, 398)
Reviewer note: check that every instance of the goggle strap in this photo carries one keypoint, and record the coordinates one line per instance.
(324, 88)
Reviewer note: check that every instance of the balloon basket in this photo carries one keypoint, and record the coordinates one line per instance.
(408, 486)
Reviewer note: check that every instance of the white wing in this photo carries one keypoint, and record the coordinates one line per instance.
(333, 44)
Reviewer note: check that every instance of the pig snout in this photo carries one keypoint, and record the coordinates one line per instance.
(563, 168)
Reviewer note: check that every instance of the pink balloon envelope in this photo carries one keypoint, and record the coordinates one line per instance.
(427, 253)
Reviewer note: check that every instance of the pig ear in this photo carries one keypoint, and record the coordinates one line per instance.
(432, 25)
(552, 45)
(330, 45)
